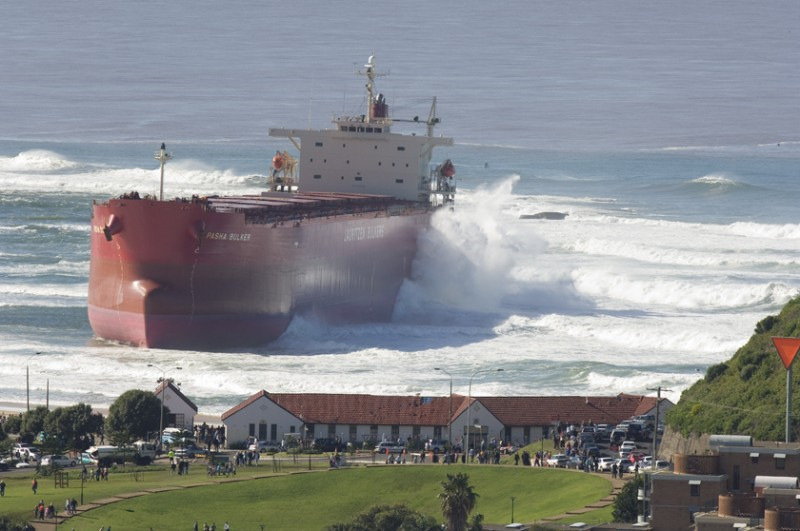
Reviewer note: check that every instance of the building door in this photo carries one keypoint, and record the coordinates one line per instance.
(737, 479)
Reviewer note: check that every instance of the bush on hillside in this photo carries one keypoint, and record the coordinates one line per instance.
(747, 394)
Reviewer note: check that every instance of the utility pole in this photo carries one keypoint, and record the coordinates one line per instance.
(654, 457)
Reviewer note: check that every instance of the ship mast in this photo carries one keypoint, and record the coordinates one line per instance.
(371, 74)
(162, 156)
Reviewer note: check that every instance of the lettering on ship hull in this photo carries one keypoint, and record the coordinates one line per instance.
(372, 232)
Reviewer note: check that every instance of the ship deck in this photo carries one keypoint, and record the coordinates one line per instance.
(274, 207)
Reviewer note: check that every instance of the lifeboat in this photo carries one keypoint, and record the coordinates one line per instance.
(277, 161)
(447, 169)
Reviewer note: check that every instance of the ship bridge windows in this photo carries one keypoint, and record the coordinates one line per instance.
(401, 148)
(318, 144)
(399, 181)
(359, 178)
(317, 176)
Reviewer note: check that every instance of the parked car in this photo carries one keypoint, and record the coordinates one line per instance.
(327, 445)
(557, 460)
(624, 464)
(604, 464)
(592, 450)
(617, 436)
(601, 432)
(575, 462)
(627, 446)
(663, 465)
(389, 448)
(263, 446)
(189, 451)
(57, 460)
(25, 451)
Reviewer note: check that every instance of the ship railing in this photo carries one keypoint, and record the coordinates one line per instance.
(437, 188)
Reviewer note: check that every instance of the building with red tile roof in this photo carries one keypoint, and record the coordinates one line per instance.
(366, 419)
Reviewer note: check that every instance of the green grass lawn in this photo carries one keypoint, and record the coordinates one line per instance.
(315, 500)
(306, 501)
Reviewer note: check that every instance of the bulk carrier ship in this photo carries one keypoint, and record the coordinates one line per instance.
(334, 234)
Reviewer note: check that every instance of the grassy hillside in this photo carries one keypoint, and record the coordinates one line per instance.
(745, 395)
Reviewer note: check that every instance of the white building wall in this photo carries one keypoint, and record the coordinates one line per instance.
(262, 411)
(478, 415)
(177, 406)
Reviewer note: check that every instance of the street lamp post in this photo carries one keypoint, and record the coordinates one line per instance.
(28, 380)
(163, 382)
(469, 405)
(450, 417)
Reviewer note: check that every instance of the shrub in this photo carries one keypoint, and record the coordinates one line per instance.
(715, 371)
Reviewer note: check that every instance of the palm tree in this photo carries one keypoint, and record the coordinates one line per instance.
(458, 500)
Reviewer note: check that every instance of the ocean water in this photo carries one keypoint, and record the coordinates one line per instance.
(668, 132)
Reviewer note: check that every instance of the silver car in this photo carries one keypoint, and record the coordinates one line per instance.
(57, 460)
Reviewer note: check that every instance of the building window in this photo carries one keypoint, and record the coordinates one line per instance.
(309, 431)
(754, 458)
(395, 432)
(331, 431)
(399, 181)
(780, 463)
(526, 434)
(273, 432)
(373, 432)
(358, 179)
(353, 432)
(415, 432)
(317, 176)
(262, 431)
(251, 431)
(318, 144)
(694, 489)
(291, 429)
(401, 148)
(437, 433)
(180, 420)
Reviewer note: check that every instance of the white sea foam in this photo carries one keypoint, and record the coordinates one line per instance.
(66, 291)
(36, 160)
(760, 230)
(661, 289)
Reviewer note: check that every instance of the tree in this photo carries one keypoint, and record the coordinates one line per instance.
(389, 518)
(626, 504)
(33, 421)
(73, 425)
(132, 416)
(457, 499)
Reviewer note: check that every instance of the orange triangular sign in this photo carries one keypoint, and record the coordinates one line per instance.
(787, 348)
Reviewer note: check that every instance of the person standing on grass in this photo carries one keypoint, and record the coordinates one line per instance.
(2, 488)
(34, 485)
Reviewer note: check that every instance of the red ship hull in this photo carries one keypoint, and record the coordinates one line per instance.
(203, 275)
